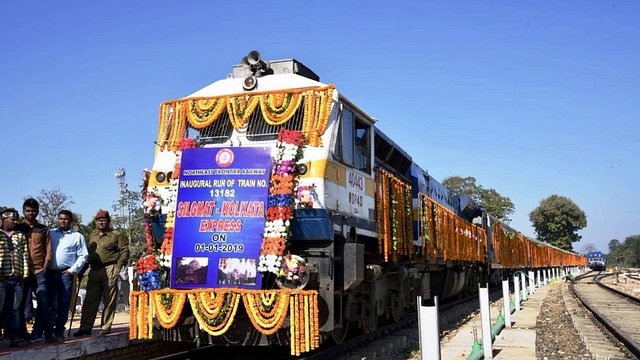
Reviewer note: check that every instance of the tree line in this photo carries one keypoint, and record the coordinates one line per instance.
(625, 253)
(556, 220)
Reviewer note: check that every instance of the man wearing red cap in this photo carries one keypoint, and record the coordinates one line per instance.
(108, 254)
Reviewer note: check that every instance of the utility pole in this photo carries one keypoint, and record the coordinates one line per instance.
(124, 213)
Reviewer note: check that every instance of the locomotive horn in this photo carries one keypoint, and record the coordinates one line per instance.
(266, 65)
(245, 62)
(253, 57)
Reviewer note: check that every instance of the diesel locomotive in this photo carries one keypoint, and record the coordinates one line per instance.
(358, 224)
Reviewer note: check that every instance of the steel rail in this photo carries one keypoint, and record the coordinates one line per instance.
(629, 343)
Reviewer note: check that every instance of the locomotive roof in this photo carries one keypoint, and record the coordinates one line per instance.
(265, 83)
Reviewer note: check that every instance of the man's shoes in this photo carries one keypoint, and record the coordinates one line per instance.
(105, 332)
(52, 339)
(35, 339)
(19, 344)
(81, 333)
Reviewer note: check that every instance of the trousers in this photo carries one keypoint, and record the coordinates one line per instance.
(102, 284)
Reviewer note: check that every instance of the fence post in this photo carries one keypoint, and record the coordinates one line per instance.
(506, 302)
(429, 330)
(485, 313)
(532, 282)
(516, 290)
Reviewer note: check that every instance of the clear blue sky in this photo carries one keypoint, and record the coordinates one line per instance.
(532, 98)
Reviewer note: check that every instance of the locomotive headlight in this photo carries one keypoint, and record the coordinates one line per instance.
(249, 82)
(302, 169)
(161, 177)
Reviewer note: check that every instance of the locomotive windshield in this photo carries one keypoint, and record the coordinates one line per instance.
(220, 131)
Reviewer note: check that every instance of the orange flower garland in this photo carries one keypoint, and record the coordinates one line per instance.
(394, 222)
(178, 127)
(267, 311)
(203, 112)
(317, 110)
(276, 110)
(282, 185)
(275, 246)
(142, 315)
(292, 326)
(133, 315)
(164, 129)
(168, 316)
(215, 311)
(167, 243)
(240, 109)
(304, 334)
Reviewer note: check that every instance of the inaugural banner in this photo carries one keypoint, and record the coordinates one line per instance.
(222, 195)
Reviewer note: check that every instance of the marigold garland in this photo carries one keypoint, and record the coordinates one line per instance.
(444, 234)
(164, 126)
(203, 112)
(167, 243)
(292, 325)
(150, 315)
(143, 316)
(168, 316)
(178, 127)
(215, 311)
(277, 108)
(395, 224)
(133, 315)
(215, 320)
(267, 313)
(139, 317)
(316, 114)
(240, 109)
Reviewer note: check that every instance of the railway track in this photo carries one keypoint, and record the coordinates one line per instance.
(615, 310)
(452, 313)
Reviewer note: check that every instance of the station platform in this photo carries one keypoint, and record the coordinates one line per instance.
(73, 348)
(515, 343)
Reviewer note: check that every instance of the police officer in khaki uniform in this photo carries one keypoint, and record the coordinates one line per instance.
(108, 254)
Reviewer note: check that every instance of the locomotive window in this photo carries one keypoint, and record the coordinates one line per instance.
(347, 136)
(217, 133)
(259, 130)
(361, 155)
(353, 145)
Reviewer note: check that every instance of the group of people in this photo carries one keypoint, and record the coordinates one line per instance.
(45, 262)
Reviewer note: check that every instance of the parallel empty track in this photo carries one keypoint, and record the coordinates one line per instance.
(615, 310)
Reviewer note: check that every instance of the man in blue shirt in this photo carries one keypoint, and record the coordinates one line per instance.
(70, 253)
